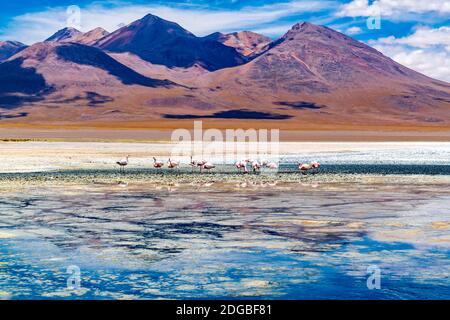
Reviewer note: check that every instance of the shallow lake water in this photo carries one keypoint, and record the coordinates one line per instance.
(305, 239)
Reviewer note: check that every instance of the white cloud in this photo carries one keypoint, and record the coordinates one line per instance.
(426, 51)
(353, 30)
(362, 8)
(423, 37)
(37, 26)
(435, 64)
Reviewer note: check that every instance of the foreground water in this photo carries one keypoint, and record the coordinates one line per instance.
(286, 236)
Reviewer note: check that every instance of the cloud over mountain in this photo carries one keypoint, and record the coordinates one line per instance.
(427, 50)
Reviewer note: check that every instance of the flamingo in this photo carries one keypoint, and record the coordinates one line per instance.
(196, 163)
(315, 164)
(208, 166)
(242, 165)
(201, 163)
(123, 163)
(256, 166)
(306, 167)
(272, 165)
(193, 163)
(157, 164)
(172, 164)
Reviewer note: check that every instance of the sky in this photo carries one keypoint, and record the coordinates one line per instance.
(415, 33)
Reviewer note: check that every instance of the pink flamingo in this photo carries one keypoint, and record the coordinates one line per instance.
(123, 163)
(315, 164)
(193, 163)
(306, 167)
(172, 164)
(256, 166)
(157, 164)
(242, 165)
(196, 163)
(208, 166)
(271, 165)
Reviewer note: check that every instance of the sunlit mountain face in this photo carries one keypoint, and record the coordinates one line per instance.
(154, 68)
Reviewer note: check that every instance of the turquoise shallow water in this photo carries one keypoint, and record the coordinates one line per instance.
(277, 240)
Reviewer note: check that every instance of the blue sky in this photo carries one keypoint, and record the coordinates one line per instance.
(415, 33)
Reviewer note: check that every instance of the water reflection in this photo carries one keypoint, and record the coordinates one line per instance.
(277, 240)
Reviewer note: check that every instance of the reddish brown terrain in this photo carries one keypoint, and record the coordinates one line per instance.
(10, 48)
(153, 74)
(246, 43)
(91, 37)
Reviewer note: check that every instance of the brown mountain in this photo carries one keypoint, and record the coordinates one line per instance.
(91, 37)
(65, 35)
(316, 74)
(246, 43)
(10, 48)
(166, 43)
(54, 75)
(76, 36)
(310, 58)
(311, 77)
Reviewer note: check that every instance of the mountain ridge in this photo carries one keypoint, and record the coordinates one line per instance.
(154, 69)
(163, 42)
(247, 43)
(10, 48)
(65, 34)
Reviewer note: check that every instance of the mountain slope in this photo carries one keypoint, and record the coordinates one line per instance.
(73, 35)
(10, 48)
(352, 82)
(246, 43)
(65, 35)
(311, 77)
(65, 73)
(91, 37)
(311, 58)
(166, 43)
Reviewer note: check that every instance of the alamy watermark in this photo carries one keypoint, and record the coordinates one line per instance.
(374, 279)
(74, 279)
(254, 146)
(73, 17)
(373, 22)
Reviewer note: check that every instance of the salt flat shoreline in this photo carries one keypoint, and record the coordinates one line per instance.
(39, 156)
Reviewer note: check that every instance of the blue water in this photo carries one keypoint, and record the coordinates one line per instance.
(285, 168)
(289, 241)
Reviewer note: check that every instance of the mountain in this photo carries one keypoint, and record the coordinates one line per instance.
(316, 59)
(73, 35)
(57, 74)
(166, 43)
(91, 37)
(10, 48)
(65, 35)
(154, 70)
(320, 75)
(246, 43)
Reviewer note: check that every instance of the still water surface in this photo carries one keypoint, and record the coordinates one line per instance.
(225, 240)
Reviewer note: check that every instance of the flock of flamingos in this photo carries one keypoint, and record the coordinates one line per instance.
(241, 166)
